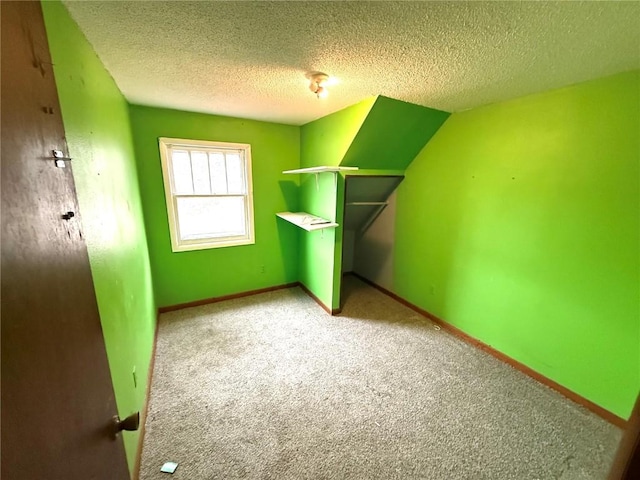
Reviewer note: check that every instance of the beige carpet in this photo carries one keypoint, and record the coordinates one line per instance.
(270, 387)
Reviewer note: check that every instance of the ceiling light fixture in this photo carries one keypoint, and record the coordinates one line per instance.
(318, 83)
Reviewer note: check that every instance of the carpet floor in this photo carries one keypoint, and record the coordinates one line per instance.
(271, 387)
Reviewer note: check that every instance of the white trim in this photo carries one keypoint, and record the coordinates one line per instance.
(181, 142)
(179, 245)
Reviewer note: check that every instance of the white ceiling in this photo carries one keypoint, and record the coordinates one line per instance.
(249, 59)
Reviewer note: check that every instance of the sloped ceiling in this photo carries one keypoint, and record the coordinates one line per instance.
(248, 59)
(392, 135)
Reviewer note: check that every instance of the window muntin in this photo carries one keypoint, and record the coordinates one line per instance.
(209, 194)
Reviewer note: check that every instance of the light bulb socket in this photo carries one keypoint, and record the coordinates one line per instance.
(317, 83)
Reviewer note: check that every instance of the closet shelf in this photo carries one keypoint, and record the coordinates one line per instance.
(320, 169)
(323, 169)
(306, 221)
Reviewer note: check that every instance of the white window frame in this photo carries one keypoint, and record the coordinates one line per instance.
(178, 245)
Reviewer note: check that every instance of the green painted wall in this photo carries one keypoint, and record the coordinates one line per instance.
(96, 122)
(336, 301)
(518, 223)
(392, 135)
(318, 248)
(325, 142)
(378, 135)
(187, 276)
(321, 251)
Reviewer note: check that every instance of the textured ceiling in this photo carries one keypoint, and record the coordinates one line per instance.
(248, 59)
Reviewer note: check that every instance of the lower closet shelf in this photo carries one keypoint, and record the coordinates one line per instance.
(306, 220)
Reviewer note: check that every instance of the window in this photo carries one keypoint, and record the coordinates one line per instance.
(209, 193)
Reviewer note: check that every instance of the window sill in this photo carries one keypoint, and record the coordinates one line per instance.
(189, 247)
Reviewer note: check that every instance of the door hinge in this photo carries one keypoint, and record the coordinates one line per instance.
(59, 158)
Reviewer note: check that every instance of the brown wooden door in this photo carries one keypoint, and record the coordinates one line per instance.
(57, 397)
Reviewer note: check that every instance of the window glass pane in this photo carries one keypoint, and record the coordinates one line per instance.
(182, 183)
(200, 169)
(218, 173)
(211, 217)
(235, 173)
